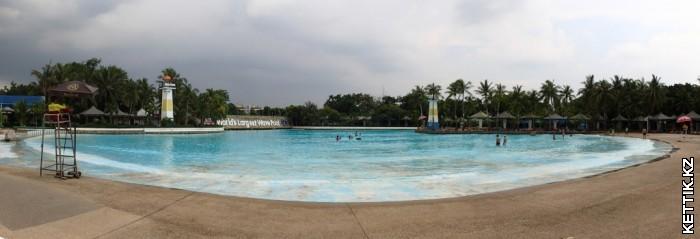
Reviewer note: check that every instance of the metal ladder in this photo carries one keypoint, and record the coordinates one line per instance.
(64, 164)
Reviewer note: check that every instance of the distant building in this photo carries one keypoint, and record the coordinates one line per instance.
(11, 100)
(247, 109)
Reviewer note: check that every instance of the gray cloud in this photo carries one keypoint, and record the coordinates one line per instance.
(282, 52)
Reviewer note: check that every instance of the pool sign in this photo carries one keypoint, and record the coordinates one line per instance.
(253, 122)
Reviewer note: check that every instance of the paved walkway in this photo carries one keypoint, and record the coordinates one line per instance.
(637, 202)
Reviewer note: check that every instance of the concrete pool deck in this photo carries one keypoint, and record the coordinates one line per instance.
(636, 202)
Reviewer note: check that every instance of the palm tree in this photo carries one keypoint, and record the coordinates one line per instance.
(456, 89)
(422, 97)
(37, 110)
(516, 101)
(549, 92)
(130, 96)
(108, 80)
(467, 86)
(485, 91)
(434, 91)
(45, 78)
(147, 94)
(655, 94)
(499, 94)
(567, 94)
(21, 109)
(603, 97)
(586, 94)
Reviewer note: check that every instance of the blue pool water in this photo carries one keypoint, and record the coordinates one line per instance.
(309, 165)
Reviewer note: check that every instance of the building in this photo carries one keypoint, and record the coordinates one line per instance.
(11, 100)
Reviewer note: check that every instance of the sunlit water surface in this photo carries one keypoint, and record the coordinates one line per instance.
(310, 165)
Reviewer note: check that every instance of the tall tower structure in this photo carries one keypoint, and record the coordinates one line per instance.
(433, 121)
(166, 100)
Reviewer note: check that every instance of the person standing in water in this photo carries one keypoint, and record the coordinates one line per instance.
(498, 140)
(644, 133)
(563, 133)
(554, 135)
(337, 138)
(505, 140)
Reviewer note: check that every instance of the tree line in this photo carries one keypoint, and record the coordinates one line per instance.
(601, 99)
(117, 91)
(598, 99)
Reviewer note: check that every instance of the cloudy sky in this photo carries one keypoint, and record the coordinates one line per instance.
(282, 52)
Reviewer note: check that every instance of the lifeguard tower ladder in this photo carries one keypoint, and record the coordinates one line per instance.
(64, 164)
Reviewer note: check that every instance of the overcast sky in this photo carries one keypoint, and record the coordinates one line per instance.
(287, 52)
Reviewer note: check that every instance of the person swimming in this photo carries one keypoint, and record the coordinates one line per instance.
(498, 140)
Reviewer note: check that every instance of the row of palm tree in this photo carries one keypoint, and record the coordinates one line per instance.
(118, 92)
(601, 98)
(598, 98)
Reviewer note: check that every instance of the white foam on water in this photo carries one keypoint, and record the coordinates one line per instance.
(375, 189)
(99, 160)
(6, 150)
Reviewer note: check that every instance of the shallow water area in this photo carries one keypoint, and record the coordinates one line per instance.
(310, 165)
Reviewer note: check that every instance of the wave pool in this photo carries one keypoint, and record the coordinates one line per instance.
(310, 165)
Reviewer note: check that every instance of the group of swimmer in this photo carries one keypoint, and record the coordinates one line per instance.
(358, 136)
(554, 137)
(563, 134)
(498, 140)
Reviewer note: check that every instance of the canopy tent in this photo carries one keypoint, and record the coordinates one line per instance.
(480, 116)
(505, 116)
(530, 118)
(364, 119)
(640, 119)
(405, 120)
(555, 118)
(119, 113)
(121, 117)
(582, 120)
(72, 89)
(661, 117)
(619, 118)
(694, 116)
(3, 111)
(579, 116)
(141, 113)
(661, 121)
(92, 112)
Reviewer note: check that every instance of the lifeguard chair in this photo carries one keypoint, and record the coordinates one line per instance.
(64, 163)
